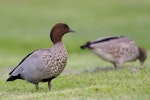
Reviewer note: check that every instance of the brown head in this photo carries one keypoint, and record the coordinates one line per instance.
(58, 31)
(143, 55)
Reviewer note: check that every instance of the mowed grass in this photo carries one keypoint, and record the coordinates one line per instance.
(128, 83)
(25, 27)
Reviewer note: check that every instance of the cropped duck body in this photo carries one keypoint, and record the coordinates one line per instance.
(116, 50)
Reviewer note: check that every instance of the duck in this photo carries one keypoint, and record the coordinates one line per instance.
(43, 65)
(116, 49)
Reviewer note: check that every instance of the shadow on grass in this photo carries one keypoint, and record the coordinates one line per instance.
(110, 68)
(101, 69)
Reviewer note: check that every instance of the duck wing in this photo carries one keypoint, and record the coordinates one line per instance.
(21, 62)
(31, 66)
(105, 39)
(96, 42)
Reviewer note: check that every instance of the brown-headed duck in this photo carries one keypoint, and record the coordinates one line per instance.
(43, 65)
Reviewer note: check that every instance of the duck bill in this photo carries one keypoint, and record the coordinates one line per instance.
(71, 30)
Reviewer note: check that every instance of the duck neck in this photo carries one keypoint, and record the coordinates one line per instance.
(56, 37)
(57, 43)
(59, 47)
(56, 40)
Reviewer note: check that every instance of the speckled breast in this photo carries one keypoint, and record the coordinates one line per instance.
(55, 60)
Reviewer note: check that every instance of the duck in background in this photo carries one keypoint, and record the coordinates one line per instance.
(117, 50)
(43, 65)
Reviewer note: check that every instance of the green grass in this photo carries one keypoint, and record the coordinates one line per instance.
(129, 83)
(25, 27)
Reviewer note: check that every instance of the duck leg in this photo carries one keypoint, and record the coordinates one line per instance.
(37, 87)
(49, 85)
(116, 66)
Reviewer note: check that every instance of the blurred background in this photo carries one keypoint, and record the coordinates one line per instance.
(25, 26)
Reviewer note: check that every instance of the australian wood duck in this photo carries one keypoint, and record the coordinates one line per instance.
(117, 50)
(43, 65)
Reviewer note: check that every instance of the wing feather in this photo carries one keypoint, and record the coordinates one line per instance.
(21, 62)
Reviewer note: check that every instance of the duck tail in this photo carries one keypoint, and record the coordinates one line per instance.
(87, 45)
(12, 78)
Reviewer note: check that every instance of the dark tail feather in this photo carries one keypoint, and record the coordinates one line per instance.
(87, 45)
(12, 78)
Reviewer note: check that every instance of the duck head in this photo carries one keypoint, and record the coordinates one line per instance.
(58, 31)
(143, 55)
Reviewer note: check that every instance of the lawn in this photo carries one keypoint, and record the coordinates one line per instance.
(25, 26)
